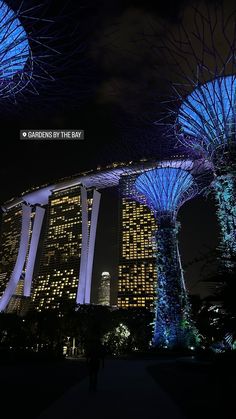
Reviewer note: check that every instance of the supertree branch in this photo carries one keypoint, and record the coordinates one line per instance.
(206, 123)
(206, 118)
(201, 109)
(225, 193)
(164, 189)
(200, 47)
(15, 52)
(44, 55)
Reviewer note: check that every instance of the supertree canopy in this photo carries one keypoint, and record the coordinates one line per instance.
(206, 122)
(201, 111)
(44, 55)
(164, 189)
(207, 118)
(176, 187)
(14, 45)
(15, 53)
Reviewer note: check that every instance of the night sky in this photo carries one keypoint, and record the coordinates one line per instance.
(105, 84)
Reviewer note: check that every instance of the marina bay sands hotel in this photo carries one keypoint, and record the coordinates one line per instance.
(48, 243)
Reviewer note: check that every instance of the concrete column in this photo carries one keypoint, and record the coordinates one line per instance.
(17, 271)
(38, 221)
(80, 298)
(92, 238)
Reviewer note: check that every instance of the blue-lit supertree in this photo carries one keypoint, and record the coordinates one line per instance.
(16, 63)
(164, 189)
(201, 110)
(43, 55)
(206, 121)
(28, 58)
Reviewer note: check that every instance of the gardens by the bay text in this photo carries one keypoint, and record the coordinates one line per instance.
(52, 134)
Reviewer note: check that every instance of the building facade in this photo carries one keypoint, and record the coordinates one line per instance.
(104, 289)
(137, 260)
(47, 248)
(64, 275)
(10, 239)
(21, 229)
(48, 241)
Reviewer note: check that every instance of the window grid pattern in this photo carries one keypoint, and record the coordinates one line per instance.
(137, 268)
(57, 280)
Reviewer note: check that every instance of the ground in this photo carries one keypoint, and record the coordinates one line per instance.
(157, 387)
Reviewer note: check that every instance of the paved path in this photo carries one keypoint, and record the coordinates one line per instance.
(125, 390)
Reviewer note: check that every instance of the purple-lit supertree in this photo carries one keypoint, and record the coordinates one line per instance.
(26, 49)
(41, 43)
(206, 122)
(164, 189)
(202, 109)
(16, 64)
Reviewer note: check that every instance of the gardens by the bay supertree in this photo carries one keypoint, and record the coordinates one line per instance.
(201, 107)
(39, 61)
(164, 189)
(16, 64)
(206, 121)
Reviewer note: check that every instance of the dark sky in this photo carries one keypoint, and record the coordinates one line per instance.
(101, 72)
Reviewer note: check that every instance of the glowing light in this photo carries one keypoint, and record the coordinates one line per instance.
(14, 45)
(206, 119)
(166, 189)
(224, 187)
(207, 122)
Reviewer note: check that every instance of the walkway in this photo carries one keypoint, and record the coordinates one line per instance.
(125, 390)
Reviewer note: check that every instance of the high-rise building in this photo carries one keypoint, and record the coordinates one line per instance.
(47, 248)
(48, 241)
(66, 263)
(10, 239)
(21, 228)
(137, 261)
(104, 289)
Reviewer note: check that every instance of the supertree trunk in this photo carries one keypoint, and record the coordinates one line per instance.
(172, 303)
(225, 195)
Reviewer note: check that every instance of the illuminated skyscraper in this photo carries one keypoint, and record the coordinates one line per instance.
(66, 263)
(21, 228)
(10, 238)
(104, 289)
(137, 260)
(62, 271)
(48, 240)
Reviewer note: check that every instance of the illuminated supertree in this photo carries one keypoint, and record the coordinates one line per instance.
(206, 122)
(15, 53)
(164, 189)
(201, 54)
(42, 57)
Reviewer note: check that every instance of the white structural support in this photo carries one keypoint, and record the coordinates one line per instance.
(18, 268)
(88, 246)
(37, 226)
(91, 247)
(84, 248)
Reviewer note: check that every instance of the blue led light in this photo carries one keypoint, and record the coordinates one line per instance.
(208, 115)
(225, 191)
(14, 45)
(207, 122)
(165, 189)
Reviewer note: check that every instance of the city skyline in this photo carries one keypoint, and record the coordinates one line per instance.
(40, 162)
(111, 244)
(117, 208)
